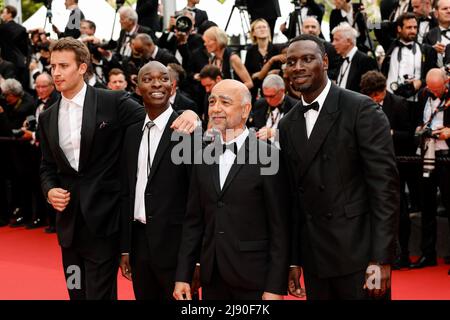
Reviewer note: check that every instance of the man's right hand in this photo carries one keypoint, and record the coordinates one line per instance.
(439, 47)
(182, 291)
(125, 266)
(58, 198)
(294, 287)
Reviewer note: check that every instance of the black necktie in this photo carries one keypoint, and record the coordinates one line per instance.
(312, 106)
(232, 147)
(149, 125)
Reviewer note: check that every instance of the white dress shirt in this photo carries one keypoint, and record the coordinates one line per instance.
(312, 115)
(156, 133)
(226, 159)
(345, 68)
(69, 126)
(438, 120)
(445, 40)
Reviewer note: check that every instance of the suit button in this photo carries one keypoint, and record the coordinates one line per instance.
(301, 190)
(220, 204)
(148, 194)
(221, 232)
(322, 187)
(149, 217)
(329, 215)
(309, 216)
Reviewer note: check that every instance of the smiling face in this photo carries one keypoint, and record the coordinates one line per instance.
(154, 85)
(306, 67)
(226, 108)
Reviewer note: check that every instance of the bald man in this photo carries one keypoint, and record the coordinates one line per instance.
(154, 191)
(236, 221)
(439, 124)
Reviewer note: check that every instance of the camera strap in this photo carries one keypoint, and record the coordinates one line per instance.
(441, 107)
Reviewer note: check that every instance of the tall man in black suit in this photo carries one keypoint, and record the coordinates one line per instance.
(73, 25)
(147, 11)
(344, 183)
(354, 63)
(269, 10)
(373, 84)
(81, 140)
(236, 220)
(152, 218)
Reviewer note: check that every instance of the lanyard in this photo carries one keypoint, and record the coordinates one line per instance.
(342, 74)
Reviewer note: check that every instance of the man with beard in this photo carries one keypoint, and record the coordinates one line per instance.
(344, 183)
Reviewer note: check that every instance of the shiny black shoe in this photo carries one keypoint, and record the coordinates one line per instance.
(401, 263)
(447, 260)
(424, 261)
(35, 224)
(50, 229)
(17, 222)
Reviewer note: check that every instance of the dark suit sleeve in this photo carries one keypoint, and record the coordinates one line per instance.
(402, 126)
(381, 178)
(193, 228)
(276, 202)
(129, 110)
(48, 169)
(125, 214)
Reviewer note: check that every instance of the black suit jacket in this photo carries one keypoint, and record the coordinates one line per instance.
(344, 185)
(269, 9)
(165, 196)
(165, 57)
(261, 111)
(95, 187)
(182, 102)
(358, 20)
(243, 226)
(147, 11)
(361, 63)
(140, 29)
(14, 43)
(7, 69)
(397, 111)
(73, 25)
(14, 116)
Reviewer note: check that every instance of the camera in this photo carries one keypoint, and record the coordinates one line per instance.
(31, 123)
(405, 89)
(183, 23)
(17, 133)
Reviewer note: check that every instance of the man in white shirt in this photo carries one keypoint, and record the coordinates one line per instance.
(81, 139)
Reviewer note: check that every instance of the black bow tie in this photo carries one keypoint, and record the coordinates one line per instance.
(423, 19)
(401, 45)
(232, 147)
(312, 106)
(444, 32)
(407, 46)
(345, 59)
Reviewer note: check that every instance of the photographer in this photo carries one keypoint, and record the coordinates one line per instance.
(73, 25)
(16, 106)
(268, 10)
(433, 134)
(306, 8)
(424, 14)
(199, 16)
(407, 61)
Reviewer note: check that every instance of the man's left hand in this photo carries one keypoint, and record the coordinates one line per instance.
(272, 296)
(187, 122)
(379, 282)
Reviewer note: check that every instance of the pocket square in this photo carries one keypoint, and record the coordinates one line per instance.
(103, 125)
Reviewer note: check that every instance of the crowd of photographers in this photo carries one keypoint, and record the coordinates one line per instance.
(406, 75)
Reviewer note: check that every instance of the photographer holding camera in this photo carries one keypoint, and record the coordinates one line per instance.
(73, 25)
(433, 134)
(407, 61)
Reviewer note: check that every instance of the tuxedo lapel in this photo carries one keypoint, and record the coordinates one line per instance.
(327, 117)
(236, 166)
(162, 146)
(88, 125)
(215, 176)
(352, 72)
(298, 130)
(54, 134)
(133, 155)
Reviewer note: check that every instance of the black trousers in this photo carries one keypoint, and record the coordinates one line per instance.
(91, 265)
(349, 287)
(440, 177)
(219, 289)
(404, 224)
(149, 281)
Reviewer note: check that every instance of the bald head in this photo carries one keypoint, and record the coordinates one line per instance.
(436, 81)
(152, 66)
(311, 26)
(235, 86)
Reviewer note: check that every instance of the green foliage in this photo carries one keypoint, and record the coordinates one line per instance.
(29, 7)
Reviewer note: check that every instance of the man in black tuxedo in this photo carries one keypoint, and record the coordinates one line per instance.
(268, 111)
(14, 43)
(81, 140)
(373, 84)
(73, 25)
(147, 11)
(423, 11)
(439, 36)
(152, 220)
(236, 220)
(354, 63)
(344, 183)
(269, 10)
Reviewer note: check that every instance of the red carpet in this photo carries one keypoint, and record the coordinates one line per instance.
(30, 268)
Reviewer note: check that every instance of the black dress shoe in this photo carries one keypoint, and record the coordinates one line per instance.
(402, 262)
(18, 222)
(3, 223)
(424, 262)
(35, 224)
(50, 229)
(447, 260)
